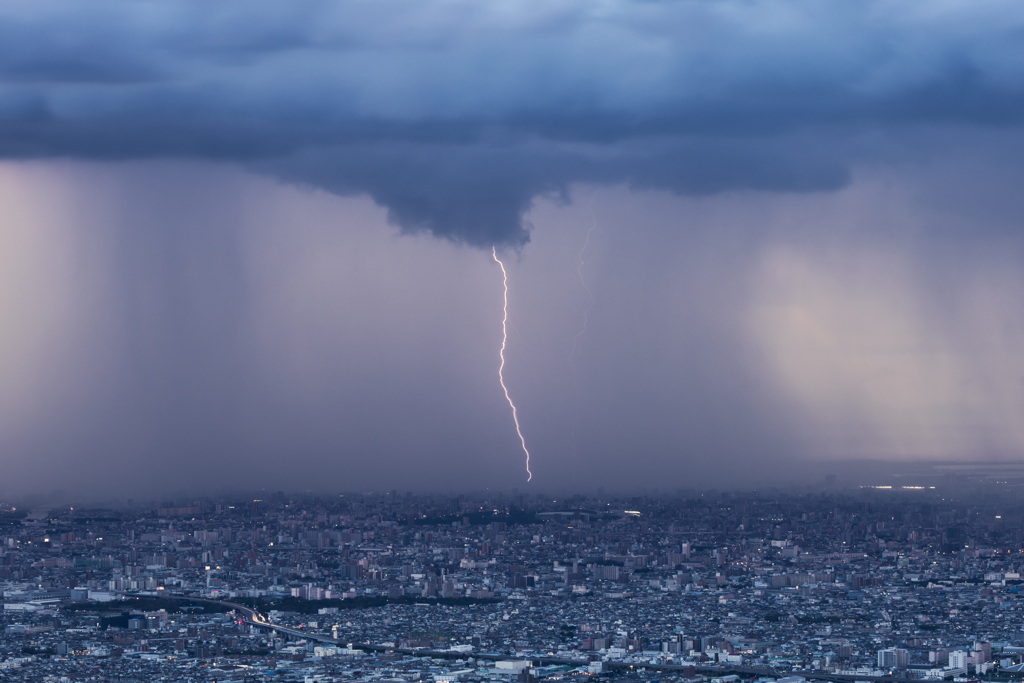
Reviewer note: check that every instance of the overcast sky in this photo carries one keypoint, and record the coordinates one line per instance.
(249, 244)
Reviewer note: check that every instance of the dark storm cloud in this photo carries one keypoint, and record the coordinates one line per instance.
(454, 115)
(478, 193)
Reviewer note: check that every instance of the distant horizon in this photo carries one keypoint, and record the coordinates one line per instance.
(837, 477)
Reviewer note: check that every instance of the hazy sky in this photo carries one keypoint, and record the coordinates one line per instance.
(249, 244)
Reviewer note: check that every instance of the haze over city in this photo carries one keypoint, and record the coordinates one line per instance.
(250, 246)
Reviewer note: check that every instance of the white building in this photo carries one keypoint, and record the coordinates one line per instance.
(958, 659)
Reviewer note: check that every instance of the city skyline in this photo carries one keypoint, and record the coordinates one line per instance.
(836, 585)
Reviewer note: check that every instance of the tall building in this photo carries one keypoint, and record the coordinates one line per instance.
(893, 658)
(958, 659)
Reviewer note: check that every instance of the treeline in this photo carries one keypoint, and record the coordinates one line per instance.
(12, 517)
(146, 604)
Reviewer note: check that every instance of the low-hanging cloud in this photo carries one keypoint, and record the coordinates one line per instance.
(455, 115)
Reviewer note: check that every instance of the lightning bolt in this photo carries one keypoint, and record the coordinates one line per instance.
(501, 368)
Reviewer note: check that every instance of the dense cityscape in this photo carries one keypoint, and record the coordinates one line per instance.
(906, 581)
(529, 341)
